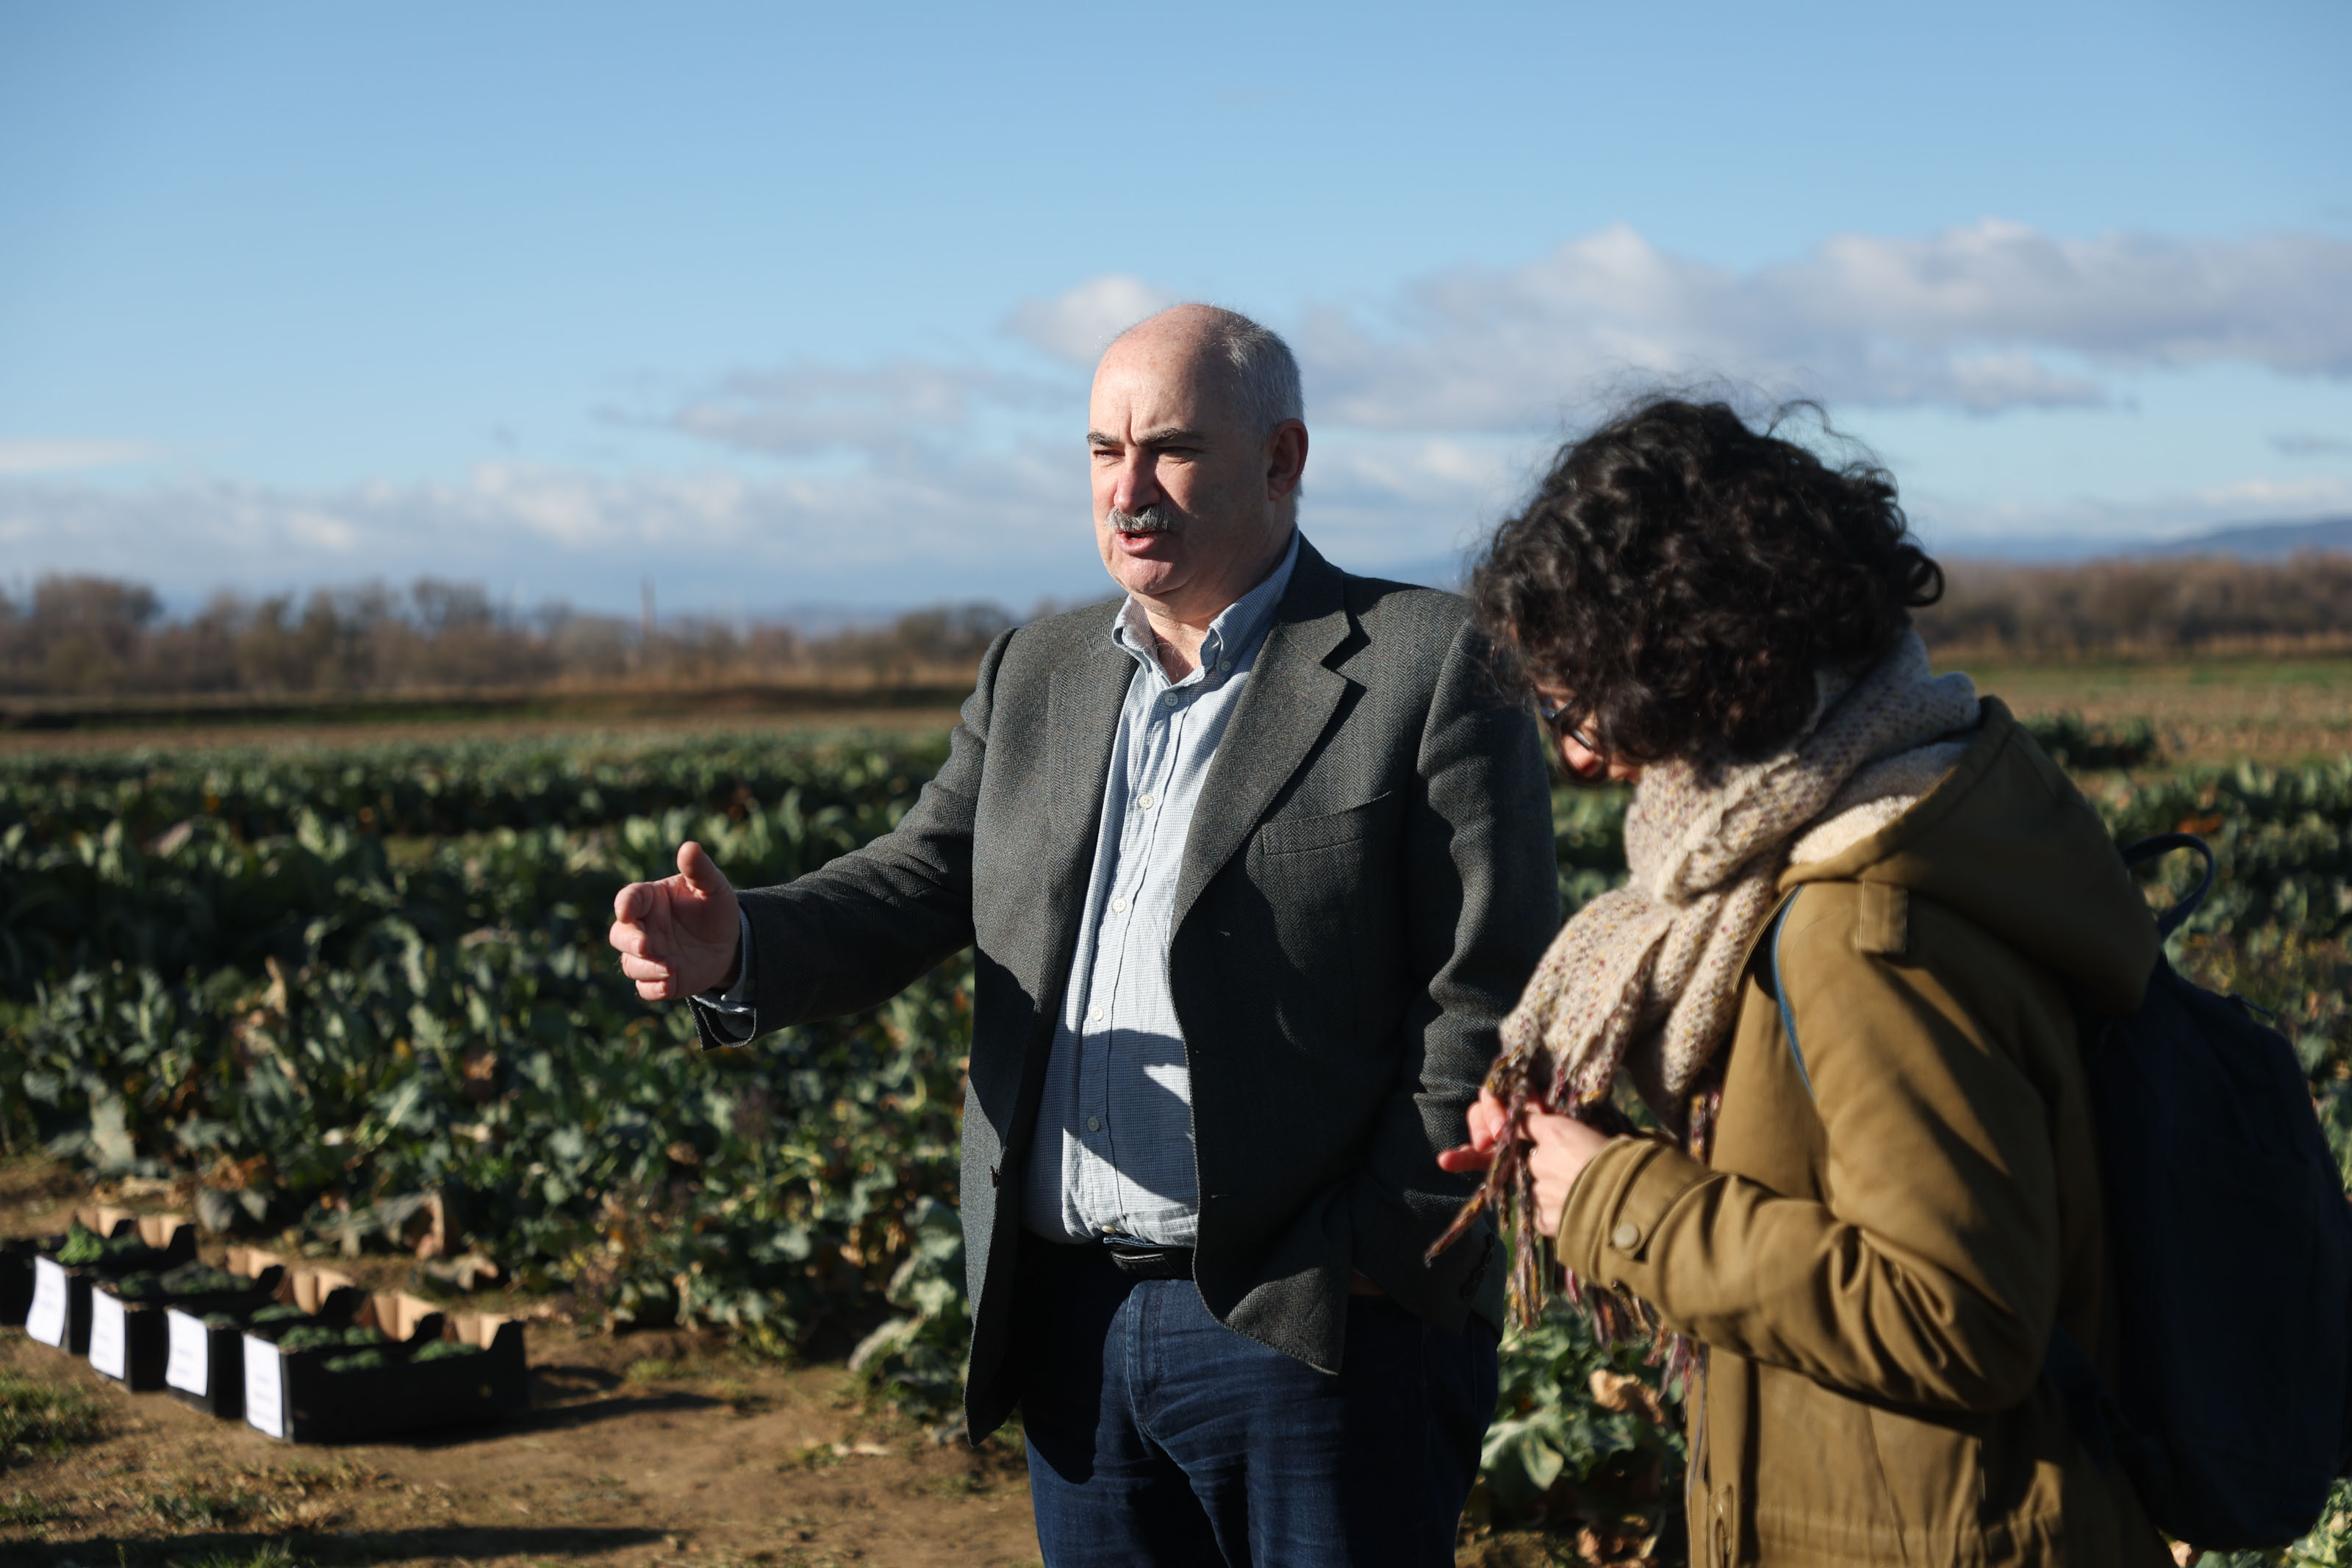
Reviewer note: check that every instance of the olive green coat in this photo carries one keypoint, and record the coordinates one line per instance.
(1874, 1266)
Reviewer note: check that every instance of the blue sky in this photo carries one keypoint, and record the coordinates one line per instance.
(784, 305)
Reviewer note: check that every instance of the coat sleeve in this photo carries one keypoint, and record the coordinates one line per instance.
(1481, 897)
(1928, 1275)
(864, 927)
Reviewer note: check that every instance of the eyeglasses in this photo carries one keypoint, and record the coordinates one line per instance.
(1579, 730)
(1555, 719)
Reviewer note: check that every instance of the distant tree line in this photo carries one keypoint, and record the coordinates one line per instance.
(2145, 606)
(85, 636)
(91, 636)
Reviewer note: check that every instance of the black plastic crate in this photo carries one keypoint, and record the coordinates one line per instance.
(16, 1255)
(291, 1395)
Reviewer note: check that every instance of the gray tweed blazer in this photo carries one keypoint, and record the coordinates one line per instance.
(1368, 883)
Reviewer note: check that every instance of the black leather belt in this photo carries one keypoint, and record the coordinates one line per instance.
(1140, 1262)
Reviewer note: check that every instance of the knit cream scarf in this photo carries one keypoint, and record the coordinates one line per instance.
(1645, 978)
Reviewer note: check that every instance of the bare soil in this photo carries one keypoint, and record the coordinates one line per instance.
(641, 1448)
(624, 1459)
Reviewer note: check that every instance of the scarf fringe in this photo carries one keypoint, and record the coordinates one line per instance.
(1616, 1317)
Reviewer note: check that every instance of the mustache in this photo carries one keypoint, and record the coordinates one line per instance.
(1156, 519)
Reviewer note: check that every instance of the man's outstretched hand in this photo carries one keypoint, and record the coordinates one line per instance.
(678, 937)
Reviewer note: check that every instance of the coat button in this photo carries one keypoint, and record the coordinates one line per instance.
(1626, 1237)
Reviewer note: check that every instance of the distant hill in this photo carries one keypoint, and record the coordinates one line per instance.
(2236, 541)
(2260, 542)
(2239, 541)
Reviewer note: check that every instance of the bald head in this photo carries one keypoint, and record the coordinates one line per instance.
(1246, 363)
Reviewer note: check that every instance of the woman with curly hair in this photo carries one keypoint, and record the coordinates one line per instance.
(1842, 976)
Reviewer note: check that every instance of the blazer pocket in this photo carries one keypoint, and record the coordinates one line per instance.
(1296, 835)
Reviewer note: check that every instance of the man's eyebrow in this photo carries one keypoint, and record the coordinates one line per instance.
(1169, 436)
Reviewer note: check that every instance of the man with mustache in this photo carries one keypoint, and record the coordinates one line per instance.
(1253, 868)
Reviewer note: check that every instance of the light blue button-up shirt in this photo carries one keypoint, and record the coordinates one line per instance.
(1113, 1154)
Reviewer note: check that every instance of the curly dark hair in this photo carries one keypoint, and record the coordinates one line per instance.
(1685, 575)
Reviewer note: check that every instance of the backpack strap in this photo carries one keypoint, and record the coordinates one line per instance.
(1780, 994)
(2148, 848)
(2091, 1410)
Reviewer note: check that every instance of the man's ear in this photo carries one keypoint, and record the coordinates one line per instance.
(1285, 459)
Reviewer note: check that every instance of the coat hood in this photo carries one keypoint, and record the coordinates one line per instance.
(2006, 841)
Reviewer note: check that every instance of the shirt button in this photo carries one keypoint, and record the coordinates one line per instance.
(1093, 1015)
(1118, 906)
(1169, 699)
(1147, 801)
(1094, 1123)
(1626, 1237)
(1224, 665)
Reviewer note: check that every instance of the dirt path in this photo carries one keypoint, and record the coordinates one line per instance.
(649, 1447)
(625, 1457)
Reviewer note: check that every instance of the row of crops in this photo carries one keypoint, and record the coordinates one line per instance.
(334, 991)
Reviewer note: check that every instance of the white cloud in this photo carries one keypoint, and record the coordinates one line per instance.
(1077, 326)
(1012, 526)
(32, 456)
(1987, 316)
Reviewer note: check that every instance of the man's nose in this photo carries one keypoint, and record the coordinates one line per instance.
(1138, 484)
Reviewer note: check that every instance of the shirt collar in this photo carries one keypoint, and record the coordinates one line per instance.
(1237, 626)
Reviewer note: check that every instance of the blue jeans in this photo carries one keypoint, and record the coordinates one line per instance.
(1157, 1435)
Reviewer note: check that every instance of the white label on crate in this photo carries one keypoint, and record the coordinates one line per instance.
(191, 1364)
(105, 1334)
(47, 1320)
(264, 1392)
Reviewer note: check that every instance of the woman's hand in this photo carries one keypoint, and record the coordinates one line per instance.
(1562, 1147)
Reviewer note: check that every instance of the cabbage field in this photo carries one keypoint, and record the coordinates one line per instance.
(364, 996)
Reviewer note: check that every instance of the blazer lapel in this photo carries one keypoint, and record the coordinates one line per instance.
(1290, 698)
(1082, 712)
(1081, 723)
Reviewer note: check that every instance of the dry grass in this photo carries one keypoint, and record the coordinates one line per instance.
(2277, 712)
(42, 1420)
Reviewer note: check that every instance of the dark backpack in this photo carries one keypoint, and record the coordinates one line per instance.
(2229, 1250)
